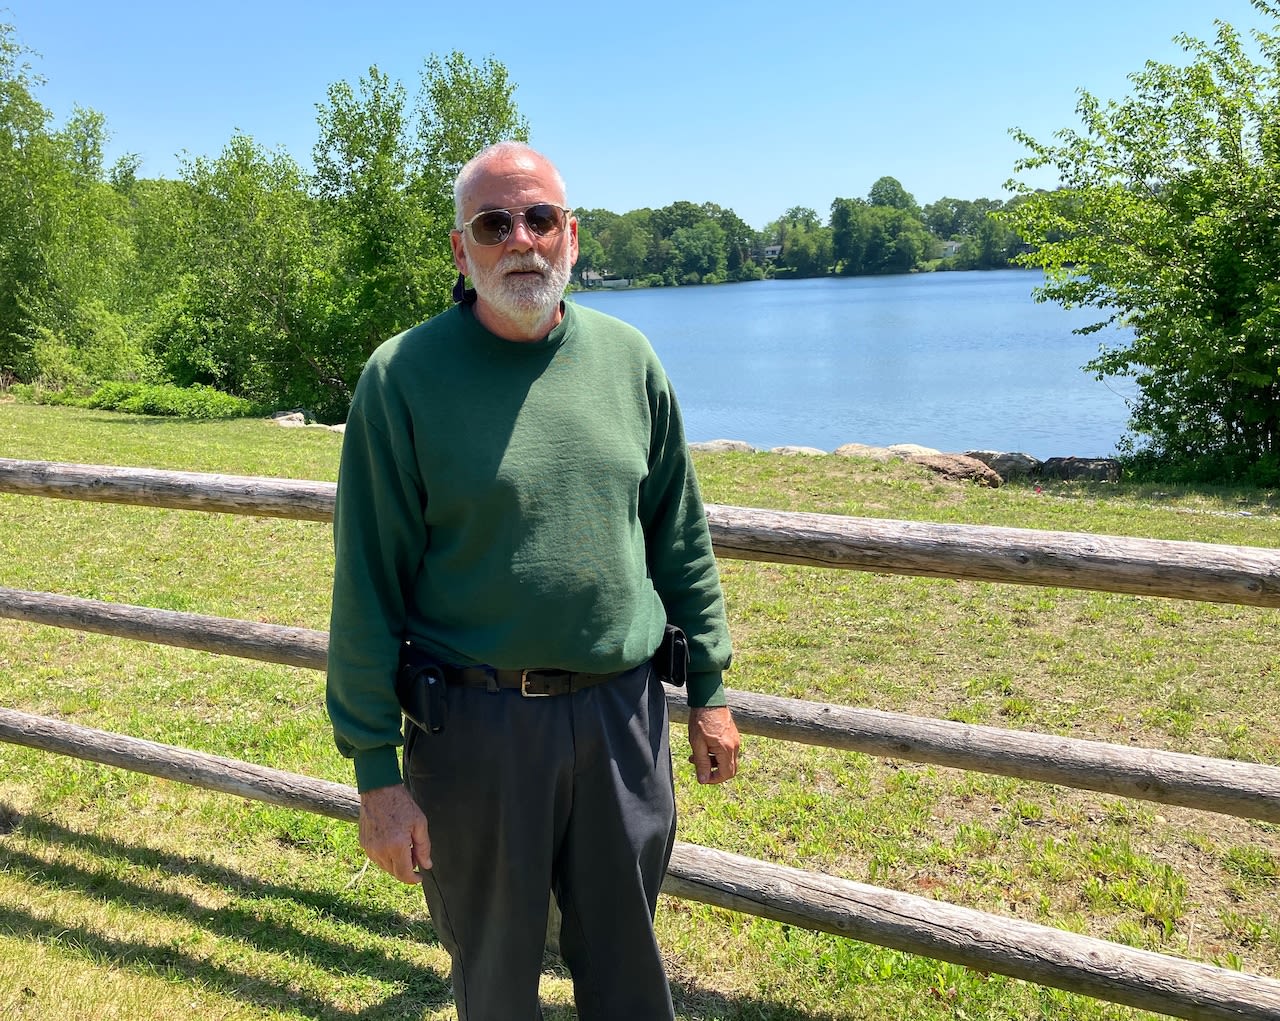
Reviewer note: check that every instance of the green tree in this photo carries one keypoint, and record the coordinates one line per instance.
(850, 228)
(626, 243)
(888, 191)
(384, 174)
(462, 108)
(25, 156)
(392, 267)
(63, 245)
(698, 253)
(237, 316)
(590, 253)
(1168, 222)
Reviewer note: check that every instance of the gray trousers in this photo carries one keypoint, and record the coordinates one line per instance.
(570, 794)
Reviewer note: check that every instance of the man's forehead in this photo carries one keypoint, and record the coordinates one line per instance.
(497, 179)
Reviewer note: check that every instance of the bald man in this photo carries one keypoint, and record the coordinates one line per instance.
(518, 535)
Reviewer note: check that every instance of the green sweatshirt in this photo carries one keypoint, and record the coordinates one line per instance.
(517, 505)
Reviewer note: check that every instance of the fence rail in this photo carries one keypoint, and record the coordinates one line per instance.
(1040, 954)
(1020, 556)
(975, 939)
(1225, 786)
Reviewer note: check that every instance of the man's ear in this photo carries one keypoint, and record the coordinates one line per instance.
(573, 239)
(459, 253)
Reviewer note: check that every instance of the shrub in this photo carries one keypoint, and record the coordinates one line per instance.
(199, 402)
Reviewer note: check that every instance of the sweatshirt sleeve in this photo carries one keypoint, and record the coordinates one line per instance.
(678, 547)
(379, 538)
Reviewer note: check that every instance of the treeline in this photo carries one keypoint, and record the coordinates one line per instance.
(886, 232)
(259, 279)
(246, 273)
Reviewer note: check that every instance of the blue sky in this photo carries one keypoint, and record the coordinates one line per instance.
(756, 106)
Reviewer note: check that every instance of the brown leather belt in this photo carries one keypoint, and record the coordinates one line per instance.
(530, 683)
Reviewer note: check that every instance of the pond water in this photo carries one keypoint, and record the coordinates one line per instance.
(955, 361)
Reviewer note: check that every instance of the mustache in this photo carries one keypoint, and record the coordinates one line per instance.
(524, 263)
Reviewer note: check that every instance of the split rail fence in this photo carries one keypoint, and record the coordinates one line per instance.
(976, 939)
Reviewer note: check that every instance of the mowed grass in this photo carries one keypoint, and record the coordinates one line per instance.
(123, 896)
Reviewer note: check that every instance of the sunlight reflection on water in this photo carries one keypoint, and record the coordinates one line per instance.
(956, 361)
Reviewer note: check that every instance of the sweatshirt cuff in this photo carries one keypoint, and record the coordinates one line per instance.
(377, 767)
(705, 689)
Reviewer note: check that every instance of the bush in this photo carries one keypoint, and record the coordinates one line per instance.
(199, 402)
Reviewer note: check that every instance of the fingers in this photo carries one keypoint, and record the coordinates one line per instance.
(393, 833)
(701, 759)
(714, 742)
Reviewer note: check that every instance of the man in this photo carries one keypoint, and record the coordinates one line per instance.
(517, 504)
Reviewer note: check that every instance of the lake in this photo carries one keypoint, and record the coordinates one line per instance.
(955, 361)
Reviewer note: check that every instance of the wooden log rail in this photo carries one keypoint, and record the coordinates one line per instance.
(918, 925)
(1150, 567)
(1225, 786)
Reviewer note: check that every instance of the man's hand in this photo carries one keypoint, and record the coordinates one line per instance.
(393, 832)
(713, 737)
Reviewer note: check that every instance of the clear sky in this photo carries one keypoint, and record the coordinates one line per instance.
(756, 106)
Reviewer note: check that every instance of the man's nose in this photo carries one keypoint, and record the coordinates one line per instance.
(521, 237)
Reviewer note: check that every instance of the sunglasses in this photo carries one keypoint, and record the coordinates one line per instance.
(494, 226)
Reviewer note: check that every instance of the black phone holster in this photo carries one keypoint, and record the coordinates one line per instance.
(671, 661)
(420, 689)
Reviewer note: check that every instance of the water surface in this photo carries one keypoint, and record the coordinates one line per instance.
(956, 361)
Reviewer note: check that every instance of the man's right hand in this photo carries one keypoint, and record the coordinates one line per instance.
(393, 832)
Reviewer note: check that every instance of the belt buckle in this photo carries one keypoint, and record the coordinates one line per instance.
(524, 686)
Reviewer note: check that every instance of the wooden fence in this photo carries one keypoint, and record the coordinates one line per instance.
(963, 936)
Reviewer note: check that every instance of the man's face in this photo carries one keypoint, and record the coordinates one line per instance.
(521, 280)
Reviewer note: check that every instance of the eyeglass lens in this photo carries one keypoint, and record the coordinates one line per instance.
(494, 226)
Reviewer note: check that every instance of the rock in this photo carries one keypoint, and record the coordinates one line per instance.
(723, 446)
(862, 450)
(341, 427)
(1081, 469)
(1006, 465)
(959, 468)
(799, 451)
(290, 419)
(908, 449)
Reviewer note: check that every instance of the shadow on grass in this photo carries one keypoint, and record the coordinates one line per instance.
(253, 920)
(247, 922)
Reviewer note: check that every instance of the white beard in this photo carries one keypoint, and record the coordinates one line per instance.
(527, 300)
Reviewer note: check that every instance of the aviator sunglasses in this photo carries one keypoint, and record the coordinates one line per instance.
(494, 226)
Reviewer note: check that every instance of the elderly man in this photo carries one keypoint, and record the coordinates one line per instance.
(517, 524)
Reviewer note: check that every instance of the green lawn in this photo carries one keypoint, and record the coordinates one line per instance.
(123, 896)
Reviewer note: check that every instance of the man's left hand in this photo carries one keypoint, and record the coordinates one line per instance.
(714, 740)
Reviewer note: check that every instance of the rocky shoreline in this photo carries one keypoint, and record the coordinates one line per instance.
(986, 467)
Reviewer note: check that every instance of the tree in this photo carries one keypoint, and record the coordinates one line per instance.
(626, 243)
(699, 253)
(590, 253)
(393, 268)
(888, 191)
(237, 315)
(25, 156)
(460, 109)
(1168, 222)
(384, 173)
(849, 230)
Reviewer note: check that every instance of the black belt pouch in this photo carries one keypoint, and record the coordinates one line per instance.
(672, 658)
(420, 688)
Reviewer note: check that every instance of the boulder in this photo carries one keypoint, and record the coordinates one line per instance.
(862, 450)
(959, 468)
(723, 446)
(909, 449)
(799, 451)
(1081, 469)
(290, 419)
(1006, 465)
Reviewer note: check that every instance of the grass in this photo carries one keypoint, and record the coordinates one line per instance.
(124, 896)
